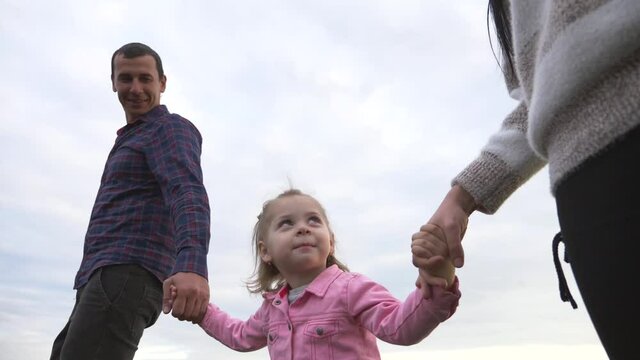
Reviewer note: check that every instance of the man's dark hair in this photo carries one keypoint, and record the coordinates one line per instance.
(133, 50)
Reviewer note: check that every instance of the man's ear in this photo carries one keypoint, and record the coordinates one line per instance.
(113, 84)
(163, 83)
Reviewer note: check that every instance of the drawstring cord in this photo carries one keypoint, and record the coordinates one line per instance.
(565, 294)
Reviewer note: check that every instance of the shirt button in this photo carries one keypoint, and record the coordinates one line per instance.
(319, 331)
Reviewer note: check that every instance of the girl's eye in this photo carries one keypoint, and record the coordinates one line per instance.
(285, 222)
(315, 219)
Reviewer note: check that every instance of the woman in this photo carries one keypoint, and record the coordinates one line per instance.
(574, 67)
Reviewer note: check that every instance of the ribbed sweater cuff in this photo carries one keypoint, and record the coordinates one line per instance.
(489, 181)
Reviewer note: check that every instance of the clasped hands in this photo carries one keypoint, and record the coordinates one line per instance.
(437, 248)
(430, 254)
(186, 296)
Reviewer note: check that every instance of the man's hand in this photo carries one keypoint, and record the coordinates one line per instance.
(191, 292)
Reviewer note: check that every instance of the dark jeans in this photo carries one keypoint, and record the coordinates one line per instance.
(599, 214)
(111, 312)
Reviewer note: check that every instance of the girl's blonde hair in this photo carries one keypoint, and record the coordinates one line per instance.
(266, 277)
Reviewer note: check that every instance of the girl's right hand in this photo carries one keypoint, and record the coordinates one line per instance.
(431, 257)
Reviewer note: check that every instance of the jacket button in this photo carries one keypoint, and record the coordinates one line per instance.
(289, 327)
(277, 302)
(319, 331)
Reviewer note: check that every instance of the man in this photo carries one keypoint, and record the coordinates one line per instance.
(149, 224)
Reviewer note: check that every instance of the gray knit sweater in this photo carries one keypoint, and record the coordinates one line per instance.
(577, 78)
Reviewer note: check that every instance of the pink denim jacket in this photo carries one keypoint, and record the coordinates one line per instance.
(338, 316)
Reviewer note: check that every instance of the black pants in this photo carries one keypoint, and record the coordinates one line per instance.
(599, 214)
(111, 312)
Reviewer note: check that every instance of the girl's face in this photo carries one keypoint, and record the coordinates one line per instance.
(298, 240)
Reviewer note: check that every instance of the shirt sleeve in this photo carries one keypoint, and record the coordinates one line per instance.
(394, 321)
(173, 155)
(505, 163)
(234, 333)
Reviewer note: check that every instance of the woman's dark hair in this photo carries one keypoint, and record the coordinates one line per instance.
(498, 12)
(133, 50)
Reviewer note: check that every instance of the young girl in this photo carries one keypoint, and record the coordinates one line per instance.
(313, 307)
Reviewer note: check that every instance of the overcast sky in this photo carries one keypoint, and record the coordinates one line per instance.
(372, 106)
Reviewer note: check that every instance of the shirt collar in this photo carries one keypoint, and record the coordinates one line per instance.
(150, 115)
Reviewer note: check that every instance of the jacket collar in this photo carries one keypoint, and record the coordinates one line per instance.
(319, 286)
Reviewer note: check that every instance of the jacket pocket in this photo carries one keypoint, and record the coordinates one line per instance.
(319, 336)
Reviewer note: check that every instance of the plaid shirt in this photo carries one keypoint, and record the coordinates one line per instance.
(152, 208)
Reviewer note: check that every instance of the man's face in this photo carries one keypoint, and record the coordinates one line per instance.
(138, 84)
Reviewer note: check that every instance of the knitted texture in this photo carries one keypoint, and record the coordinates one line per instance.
(577, 78)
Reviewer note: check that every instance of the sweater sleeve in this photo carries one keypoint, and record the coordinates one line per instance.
(235, 334)
(505, 163)
(394, 321)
